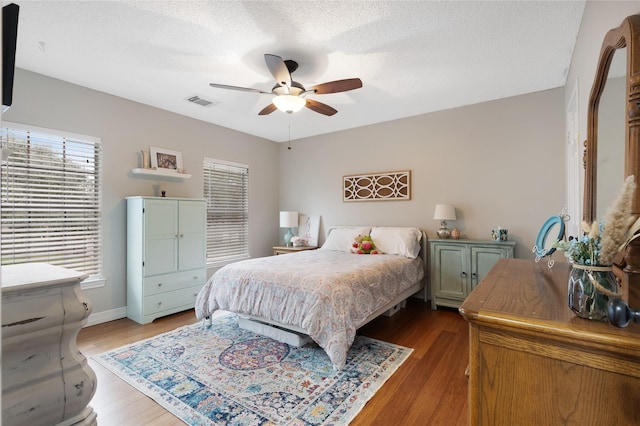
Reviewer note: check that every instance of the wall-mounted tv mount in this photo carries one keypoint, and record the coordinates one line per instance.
(9, 40)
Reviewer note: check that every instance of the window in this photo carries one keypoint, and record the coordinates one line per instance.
(51, 191)
(226, 189)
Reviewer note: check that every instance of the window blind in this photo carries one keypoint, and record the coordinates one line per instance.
(226, 189)
(51, 192)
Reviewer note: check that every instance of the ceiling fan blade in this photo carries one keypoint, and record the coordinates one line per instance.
(242, 89)
(278, 69)
(320, 107)
(268, 109)
(337, 86)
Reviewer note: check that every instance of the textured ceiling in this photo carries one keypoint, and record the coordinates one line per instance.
(412, 57)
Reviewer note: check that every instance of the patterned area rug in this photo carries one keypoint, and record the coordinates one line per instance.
(226, 375)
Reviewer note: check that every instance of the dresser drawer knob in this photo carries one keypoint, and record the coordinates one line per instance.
(159, 284)
(463, 274)
(159, 303)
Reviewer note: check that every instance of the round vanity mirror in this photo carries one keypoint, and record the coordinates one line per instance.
(551, 231)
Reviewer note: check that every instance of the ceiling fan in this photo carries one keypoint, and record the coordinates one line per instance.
(290, 96)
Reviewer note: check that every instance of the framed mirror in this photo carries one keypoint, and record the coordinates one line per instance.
(611, 128)
(612, 148)
(603, 148)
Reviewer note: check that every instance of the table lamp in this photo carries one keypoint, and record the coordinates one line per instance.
(443, 213)
(288, 220)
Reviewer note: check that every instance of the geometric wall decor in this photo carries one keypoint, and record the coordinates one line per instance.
(377, 186)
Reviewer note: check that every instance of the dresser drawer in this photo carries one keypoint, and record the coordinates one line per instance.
(169, 300)
(170, 282)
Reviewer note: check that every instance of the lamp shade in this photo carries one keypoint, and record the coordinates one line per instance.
(444, 212)
(289, 103)
(288, 219)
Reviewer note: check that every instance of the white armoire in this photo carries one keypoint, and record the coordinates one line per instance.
(166, 255)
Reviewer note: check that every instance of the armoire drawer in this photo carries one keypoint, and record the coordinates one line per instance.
(169, 300)
(170, 282)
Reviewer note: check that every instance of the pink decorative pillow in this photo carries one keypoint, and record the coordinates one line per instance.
(363, 244)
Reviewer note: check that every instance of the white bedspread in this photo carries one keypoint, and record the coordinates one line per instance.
(326, 293)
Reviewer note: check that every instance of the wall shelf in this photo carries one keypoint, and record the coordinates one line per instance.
(160, 174)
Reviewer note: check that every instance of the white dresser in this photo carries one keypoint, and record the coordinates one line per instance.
(45, 378)
(166, 255)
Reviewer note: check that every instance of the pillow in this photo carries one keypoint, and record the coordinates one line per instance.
(400, 241)
(341, 238)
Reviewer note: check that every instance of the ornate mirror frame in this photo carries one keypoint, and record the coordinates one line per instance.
(626, 35)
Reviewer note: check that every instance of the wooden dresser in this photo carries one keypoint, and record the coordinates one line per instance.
(532, 361)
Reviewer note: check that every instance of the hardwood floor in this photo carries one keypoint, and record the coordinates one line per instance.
(430, 388)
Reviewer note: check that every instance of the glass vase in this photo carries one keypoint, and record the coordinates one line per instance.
(590, 288)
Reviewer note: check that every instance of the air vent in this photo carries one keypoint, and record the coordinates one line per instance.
(201, 101)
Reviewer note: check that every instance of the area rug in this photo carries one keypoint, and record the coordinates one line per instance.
(223, 375)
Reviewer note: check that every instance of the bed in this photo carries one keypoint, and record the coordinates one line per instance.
(326, 294)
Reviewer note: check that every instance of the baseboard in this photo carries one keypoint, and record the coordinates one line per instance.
(106, 316)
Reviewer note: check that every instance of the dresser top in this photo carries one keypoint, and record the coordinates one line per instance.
(26, 276)
(526, 295)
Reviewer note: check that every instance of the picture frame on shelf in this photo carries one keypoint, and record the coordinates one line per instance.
(165, 159)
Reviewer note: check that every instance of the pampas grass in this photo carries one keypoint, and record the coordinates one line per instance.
(602, 241)
(617, 222)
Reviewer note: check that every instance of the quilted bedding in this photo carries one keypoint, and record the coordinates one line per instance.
(327, 293)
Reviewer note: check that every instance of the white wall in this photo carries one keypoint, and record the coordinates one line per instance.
(499, 163)
(128, 127)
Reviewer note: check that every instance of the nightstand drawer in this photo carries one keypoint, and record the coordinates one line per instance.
(285, 250)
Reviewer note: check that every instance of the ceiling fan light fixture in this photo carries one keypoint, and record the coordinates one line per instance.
(289, 94)
(289, 103)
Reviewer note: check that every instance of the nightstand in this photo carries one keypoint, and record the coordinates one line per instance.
(458, 266)
(284, 249)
